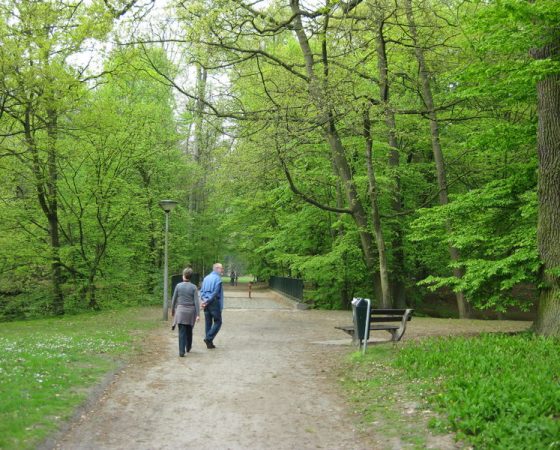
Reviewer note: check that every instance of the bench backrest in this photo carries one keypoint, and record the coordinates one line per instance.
(389, 315)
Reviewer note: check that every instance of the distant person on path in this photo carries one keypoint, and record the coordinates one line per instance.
(185, 310)
(236, 277)
(212, 295)
(232, 278)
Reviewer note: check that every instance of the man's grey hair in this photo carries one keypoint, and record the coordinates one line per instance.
(216, 265)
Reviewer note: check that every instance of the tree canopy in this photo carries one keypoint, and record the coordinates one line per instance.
(372, 148)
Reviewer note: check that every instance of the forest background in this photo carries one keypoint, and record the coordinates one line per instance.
(373, 148)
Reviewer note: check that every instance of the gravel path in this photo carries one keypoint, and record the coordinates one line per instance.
(267, 385)
(270, 384)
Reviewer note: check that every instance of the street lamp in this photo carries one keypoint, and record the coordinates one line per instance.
(167, 206)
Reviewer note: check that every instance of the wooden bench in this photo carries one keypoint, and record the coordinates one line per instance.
(379, 320)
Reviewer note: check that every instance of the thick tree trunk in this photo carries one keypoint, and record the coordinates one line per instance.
(397, 280)
(376, 217)
(346, 290)
(91, 293)
(358, 212)
(548, 230)
(57, 306)
(462, 305)
(52, 201)
(195, 199)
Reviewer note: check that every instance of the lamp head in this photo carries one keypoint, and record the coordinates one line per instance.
(168, 205)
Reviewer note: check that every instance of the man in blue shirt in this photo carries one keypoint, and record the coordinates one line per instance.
(212, 301)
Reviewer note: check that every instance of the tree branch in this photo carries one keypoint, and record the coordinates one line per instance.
(303, 196)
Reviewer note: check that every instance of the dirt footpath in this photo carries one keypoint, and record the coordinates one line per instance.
(269, 384)
(264, 387)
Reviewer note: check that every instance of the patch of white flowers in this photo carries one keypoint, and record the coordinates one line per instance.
(21, 357)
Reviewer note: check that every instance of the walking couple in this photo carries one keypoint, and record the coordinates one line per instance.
(185, 307)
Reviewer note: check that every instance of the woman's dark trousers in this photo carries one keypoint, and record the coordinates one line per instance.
(185, 338)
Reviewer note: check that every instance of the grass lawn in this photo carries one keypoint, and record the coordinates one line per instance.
(494, 391)
(47, 366)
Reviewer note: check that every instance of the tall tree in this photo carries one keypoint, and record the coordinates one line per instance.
(40, 88)
(548, 146)
(427, 97)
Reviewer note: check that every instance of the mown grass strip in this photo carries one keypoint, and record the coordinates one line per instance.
(389, 411)
(496, 390)
(47, 366)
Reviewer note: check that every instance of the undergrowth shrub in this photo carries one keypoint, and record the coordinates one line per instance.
(497, 391)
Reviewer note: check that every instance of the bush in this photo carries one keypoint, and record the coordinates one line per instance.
(497, 391)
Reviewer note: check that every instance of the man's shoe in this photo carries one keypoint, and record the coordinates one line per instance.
(181, 355)
(209, 344)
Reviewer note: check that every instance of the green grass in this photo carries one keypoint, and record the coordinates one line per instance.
(496, 391)
(379, 396)
(47, 366)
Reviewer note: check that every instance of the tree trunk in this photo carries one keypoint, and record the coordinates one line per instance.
(52, 201)
(91, 293)
(462, 305)
(548, 229)
(326, 119)
(346, 289)
(397, 280)
(197, 147)
(358, 212)
(376, 218)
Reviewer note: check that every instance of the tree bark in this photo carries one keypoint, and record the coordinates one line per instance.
(376, 217)
(47, 195)
(548, 228)
(52, 215)
(462, 305)
(195, 199)
(358, 212)
(91, 293)
(397, 280)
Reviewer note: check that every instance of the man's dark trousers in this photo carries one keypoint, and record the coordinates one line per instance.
(213, 317)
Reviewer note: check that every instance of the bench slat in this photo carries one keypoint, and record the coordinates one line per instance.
(388, 318)
(388, 311)
(383, 327)
(350, 328)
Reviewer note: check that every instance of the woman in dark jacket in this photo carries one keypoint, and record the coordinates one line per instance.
(185, 309)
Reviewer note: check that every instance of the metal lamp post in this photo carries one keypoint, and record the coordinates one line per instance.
(167, 206)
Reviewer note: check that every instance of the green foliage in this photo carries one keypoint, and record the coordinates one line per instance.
(495, 229)
(496, 391)
(117, 156)
(47, 366)
(121, 143)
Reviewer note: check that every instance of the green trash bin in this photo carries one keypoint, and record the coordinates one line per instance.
(360, 311)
